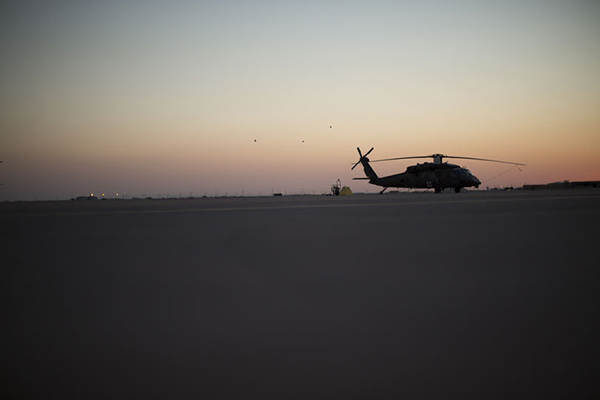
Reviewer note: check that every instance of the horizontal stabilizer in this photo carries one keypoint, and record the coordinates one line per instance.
(360, 179)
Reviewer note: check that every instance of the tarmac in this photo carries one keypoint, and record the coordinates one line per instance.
(486, 294)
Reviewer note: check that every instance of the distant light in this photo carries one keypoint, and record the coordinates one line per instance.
(92, 194)
(102, 194)
(117, 194)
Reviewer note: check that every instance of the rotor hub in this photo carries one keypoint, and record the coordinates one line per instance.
(437, 158)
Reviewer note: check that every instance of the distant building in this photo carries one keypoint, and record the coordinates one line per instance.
(85, 198)
(564, 185)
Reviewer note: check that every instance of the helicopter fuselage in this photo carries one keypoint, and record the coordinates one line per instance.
(427, 176)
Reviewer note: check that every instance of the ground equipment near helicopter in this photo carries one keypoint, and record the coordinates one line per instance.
(437, 175)
(336, 187)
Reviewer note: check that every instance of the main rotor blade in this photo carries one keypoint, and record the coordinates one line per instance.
(359, 153)
(485, 159)
(355, 165)
(401, 158)
(369, 151)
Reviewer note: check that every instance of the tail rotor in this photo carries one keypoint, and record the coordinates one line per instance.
(362, 158)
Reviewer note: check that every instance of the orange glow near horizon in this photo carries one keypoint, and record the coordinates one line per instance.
(222, 100)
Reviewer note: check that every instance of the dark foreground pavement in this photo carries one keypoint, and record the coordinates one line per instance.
(472, 295)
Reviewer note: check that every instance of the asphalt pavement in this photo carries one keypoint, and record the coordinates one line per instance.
(412, 295)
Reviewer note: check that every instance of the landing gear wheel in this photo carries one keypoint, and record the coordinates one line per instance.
(438, 190)
(456, 190)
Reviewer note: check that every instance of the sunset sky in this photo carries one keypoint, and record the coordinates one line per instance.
(165, 98)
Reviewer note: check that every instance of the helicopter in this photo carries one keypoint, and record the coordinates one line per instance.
(437, 175)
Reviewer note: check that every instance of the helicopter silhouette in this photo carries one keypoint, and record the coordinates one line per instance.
(437, 175)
